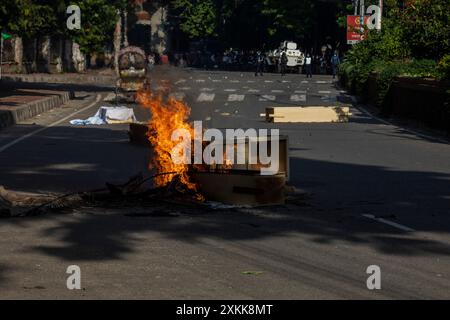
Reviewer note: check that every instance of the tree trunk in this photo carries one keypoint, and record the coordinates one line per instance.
(35, 55)
(117, 38)
(79, 59)
(18, 53)
(68, 61)
(125, 28)
(59, 59)
(45, 54)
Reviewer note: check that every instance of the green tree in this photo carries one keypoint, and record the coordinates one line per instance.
(27, 18)
(98, 20)
(426, 27)
(198, 17)
(289, 16)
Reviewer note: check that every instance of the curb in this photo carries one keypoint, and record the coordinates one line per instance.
(32, 109)
(75, 79)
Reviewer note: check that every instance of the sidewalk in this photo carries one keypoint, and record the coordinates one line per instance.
(17, 104)
(104, 76)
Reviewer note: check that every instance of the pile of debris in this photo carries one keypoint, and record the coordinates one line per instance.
(135, 192)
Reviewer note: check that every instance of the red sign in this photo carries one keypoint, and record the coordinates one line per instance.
(355, 33)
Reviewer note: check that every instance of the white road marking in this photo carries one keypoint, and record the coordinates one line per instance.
(277, 91)
(230, 90)
(206, 89)
(200, 80)
(268, 81)
(325, 92)
(392, 224)
(206, 97)
(253, 90)
(215, 80)
(178, 95)
(286, 81)
(110, 97)
(329, 98)
(267, 98)
(300, 91)
(180, 81)
(234, 81)
(250, 81)
(185, 88)
(322, 82)
(236, 97)
(305, 81)
(298, 97)
(12, 143)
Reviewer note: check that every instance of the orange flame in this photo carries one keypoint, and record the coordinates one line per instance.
(167, 116)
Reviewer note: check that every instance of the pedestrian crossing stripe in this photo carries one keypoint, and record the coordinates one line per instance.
(298, 97)
(206, 97)
(266, 97)
(178, 95)
(236, 97)
(277, 91)
(253, 90)
(230, 90)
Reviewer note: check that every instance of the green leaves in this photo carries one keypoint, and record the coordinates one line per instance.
(34, 18)
(409, 44)
(198, 17)
(98, 21)
(245, 22)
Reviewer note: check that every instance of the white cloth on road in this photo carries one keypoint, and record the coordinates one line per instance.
(107, 115)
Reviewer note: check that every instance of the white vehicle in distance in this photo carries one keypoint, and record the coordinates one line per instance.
(295, 58)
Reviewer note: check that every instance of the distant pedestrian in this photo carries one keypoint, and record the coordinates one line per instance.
(151, 61)
(283, 62)
(335, 62)
(308, 66)
(259, 64)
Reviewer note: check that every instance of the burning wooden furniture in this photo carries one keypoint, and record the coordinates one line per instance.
(244, 184)
(203, 167)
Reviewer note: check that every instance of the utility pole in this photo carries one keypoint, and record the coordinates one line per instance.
(362, 10)
(381, 14)
(1, 55)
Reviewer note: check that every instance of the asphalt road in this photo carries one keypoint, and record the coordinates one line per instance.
(375, 194)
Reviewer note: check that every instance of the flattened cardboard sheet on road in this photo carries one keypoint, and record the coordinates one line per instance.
(309, 114)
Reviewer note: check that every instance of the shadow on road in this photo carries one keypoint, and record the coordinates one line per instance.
(338, 195)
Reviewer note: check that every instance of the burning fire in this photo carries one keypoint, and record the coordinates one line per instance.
(167, 116)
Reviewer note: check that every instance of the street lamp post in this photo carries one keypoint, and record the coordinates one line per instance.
(1, 55)
(362, 13)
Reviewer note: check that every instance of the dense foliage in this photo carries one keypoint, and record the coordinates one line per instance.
(245, 22)
(34, 18)
(414, 41)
